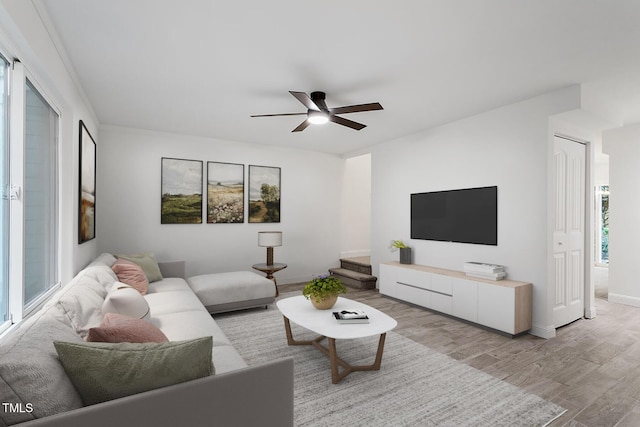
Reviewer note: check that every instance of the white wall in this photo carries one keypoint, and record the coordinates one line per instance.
(23, 35)
(623, 147)
(507, 147)
(601, 173)
(128, 205)
(356, 207)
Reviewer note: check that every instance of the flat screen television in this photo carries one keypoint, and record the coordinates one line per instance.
(468, 215)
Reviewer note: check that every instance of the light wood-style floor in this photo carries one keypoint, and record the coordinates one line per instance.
(592, 367)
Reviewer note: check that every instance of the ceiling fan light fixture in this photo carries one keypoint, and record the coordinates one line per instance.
(318, 112)
(317, 117)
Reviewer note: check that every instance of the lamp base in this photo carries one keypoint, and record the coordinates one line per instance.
(269, 256)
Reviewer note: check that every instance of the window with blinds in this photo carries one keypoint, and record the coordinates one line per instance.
(40, 196)
(4, 182)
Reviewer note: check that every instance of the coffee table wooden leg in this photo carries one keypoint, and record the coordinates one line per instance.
(332, 352)
(287, 329)
(378, 362)
(292, 341)
(335, 361)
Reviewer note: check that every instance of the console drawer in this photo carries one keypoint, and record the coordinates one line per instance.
(415, 295)
(418, 279)
(442, 284)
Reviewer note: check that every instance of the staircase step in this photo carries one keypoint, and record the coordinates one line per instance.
(361, 264)
(354, 278)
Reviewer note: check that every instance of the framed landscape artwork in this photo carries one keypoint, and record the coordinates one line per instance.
(264, 194)
(181, 191)
(225, 193)
(87, 190)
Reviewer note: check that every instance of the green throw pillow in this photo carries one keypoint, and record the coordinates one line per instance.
(146, 261)
(104, 371)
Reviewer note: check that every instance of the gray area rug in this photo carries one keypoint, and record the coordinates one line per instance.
(416, 386)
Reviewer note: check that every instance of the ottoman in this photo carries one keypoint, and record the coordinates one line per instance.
(220, 292)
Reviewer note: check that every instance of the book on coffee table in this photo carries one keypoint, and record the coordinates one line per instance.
(351, 316)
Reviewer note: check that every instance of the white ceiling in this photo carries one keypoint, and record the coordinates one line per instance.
(202, 67)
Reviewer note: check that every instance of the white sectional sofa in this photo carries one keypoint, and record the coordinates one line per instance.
(39, 392)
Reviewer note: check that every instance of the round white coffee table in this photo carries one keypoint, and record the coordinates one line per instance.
(300, 311)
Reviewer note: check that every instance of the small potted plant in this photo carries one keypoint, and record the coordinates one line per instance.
(405, 251)
(323, 291)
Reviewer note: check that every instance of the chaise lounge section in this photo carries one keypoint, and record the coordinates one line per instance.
(236, 290)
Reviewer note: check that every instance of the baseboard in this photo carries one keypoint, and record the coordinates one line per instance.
(590, 312)
(353, 254)
(624, 299)
(545, 332)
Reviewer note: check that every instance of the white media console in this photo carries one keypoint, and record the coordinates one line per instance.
(504, 305)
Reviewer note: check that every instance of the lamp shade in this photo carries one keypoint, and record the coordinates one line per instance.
(269, 239)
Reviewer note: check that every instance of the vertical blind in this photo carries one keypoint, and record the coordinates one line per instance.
(40, 210)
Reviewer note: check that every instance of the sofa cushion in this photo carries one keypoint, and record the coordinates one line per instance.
(169, 284)
(227, 359)
(102, 371)
(102, 274)
(188, 325)
(119, 328)
(173, 302)
(147, 261)
(131, 273)
(82, 301)
(30, 371)
(105, 259)
(125, 300)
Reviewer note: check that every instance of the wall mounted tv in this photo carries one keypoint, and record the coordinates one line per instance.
(468, 215)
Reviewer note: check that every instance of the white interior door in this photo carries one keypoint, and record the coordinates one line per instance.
(568, 235)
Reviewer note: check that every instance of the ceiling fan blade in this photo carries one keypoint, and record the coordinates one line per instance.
(302, 126)
(305, 100)
(283, 114)
(356, 108)
(346, 122)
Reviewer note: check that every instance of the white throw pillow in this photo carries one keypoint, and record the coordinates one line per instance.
(123, 299)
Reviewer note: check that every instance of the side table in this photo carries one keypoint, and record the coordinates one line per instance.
(269, 269)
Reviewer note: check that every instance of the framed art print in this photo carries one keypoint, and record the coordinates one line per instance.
(264, 194)
(225, 193)
(181, 191)
(87, 181)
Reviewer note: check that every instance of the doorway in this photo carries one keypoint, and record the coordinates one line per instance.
(569, 229)
(355, 230)
(602, 225)
(601, 242)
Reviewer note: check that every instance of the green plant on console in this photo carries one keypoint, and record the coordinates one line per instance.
(397, 244)
(322, 287)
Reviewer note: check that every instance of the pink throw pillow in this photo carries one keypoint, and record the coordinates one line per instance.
(131, 273)
(119, 328)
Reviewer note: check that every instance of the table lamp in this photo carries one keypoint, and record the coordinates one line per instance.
(269, 239)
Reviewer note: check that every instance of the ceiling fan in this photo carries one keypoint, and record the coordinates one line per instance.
(319, 113)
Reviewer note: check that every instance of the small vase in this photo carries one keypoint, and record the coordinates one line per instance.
(405, 255)
(324, 304)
